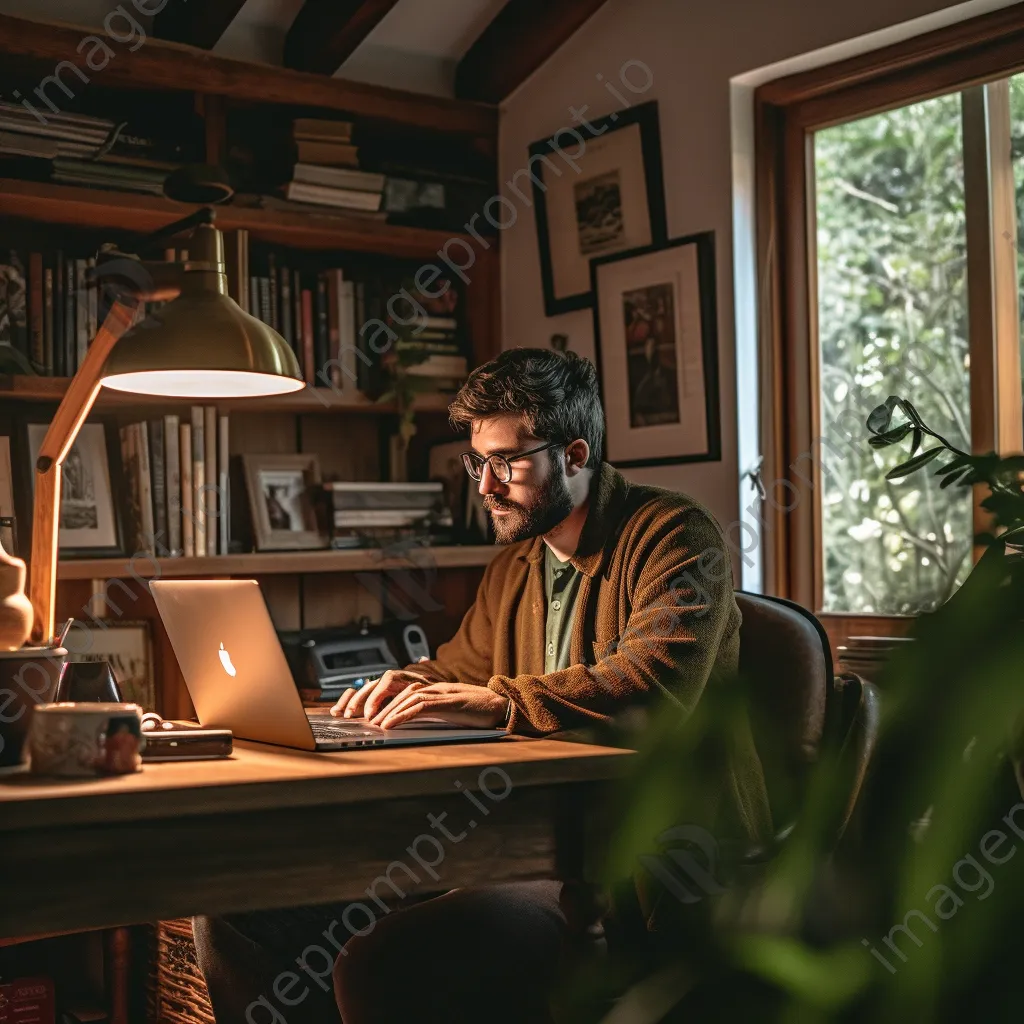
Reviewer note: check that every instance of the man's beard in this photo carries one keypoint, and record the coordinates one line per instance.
(550, 507)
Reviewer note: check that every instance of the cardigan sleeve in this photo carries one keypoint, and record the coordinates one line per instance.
(468, 656)
(681, 602)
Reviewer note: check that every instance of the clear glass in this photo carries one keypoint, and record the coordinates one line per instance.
(892, 320)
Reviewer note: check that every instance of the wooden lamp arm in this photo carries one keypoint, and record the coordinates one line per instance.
(67, 421)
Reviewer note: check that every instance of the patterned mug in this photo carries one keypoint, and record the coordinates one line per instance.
(88, 738)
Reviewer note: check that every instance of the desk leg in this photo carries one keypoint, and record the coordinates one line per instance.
(118, 971)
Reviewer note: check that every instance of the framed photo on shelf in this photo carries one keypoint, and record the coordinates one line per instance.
(90, 524)
(280, 489)
(656, 346)
(128, 646)
(472, 524)
(609, 198)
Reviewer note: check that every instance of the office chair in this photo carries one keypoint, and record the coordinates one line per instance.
(799, 709)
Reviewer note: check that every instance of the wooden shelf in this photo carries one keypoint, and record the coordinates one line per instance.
(131, 212)
(456, 556)
(175, 67)
(309, 400)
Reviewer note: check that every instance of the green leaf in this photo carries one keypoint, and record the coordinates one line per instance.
(954, 478)
(889, 437)
(880, 417)
(911, 465)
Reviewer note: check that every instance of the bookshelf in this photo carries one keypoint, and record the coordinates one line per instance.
(308, 588)
(455, 556)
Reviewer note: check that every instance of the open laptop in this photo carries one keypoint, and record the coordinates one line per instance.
(238, 678)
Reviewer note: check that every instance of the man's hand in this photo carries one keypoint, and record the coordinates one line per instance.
(369, 699)
(465, 704)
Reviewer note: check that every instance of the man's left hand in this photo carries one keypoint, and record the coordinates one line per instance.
(465, 704)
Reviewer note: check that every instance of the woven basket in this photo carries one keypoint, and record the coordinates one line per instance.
(177, 992)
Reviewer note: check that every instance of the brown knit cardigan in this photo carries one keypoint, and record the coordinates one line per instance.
(655, 616)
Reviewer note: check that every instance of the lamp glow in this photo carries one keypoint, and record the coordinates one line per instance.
(202, 383)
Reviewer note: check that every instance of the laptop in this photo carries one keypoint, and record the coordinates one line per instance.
(238, 678)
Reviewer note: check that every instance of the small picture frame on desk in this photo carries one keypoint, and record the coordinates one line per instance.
(91, 488)
(280, 489)
(128, 646)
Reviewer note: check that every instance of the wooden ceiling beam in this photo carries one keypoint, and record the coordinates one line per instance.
(325, 32)
(198, 23)
(517, 42)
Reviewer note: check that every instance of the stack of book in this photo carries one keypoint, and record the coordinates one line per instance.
(176, 476)
(327, 171)
(77, 149)
(376, 514)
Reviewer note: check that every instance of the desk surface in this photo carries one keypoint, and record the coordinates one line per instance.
(277, 827)
(258, 776)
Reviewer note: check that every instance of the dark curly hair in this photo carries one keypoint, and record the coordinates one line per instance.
(555, 392)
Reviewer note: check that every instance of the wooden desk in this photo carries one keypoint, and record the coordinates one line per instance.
(272, 827)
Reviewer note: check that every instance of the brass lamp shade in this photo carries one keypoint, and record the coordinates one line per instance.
(203, 344)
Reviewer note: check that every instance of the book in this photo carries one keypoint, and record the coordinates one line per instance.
(158, 475)
(329, 154)
(322, 128)
(188, 544)
(344, 198)
(223, 485)
(211, 504)
(13, 302)
(37, 343)
(141, 444)
(198, 481)
(48, 321)
(338, 177)
(172, 477)
(236, 259)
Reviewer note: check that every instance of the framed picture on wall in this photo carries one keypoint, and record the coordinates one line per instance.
(280, 489)
(90, 515)
(607, 198)
(655, 336)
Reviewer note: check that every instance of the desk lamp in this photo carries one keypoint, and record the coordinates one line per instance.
(201, 345)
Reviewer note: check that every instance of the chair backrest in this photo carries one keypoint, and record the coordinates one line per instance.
(786, 662)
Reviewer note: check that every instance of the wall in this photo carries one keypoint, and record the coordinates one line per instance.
(693, 50)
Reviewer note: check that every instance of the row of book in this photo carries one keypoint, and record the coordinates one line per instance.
(50, 311)
(352, 333)
(176, 476)
(349, 332)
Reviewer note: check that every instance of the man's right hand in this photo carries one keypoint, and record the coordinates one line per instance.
(366, 701)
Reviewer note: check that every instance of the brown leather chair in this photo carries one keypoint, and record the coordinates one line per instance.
(799, 710)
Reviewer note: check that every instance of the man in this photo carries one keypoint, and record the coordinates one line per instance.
(609, 596)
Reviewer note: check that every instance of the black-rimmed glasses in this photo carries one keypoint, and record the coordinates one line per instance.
(500, 464)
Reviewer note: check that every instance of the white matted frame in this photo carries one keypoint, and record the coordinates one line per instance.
(655, 337)
(128, 646)
(280, 489)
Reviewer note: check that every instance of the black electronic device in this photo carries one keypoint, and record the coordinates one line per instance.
(183, 741)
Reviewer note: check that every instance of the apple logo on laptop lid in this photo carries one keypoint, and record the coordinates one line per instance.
(225, 660)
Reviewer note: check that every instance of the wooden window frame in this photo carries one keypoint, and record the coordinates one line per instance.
(971, 57)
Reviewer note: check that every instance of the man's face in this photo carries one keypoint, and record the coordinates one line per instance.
(536, 499)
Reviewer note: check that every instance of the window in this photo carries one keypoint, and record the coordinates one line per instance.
(890, 211)
(892, 315)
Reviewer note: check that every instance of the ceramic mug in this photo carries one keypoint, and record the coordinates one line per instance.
(86, 738)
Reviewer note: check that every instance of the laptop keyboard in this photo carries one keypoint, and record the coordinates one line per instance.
(332, 731)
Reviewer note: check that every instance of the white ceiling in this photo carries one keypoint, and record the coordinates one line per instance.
(416, 45)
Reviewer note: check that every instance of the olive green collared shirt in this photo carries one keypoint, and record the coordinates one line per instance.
(561, 585)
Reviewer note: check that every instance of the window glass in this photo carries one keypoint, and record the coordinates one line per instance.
(892, 319)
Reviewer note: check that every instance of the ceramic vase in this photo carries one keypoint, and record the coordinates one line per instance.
(15, 607)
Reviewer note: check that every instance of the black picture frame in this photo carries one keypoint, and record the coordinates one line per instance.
(25, 472)
(644, 115)
(708, 304)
